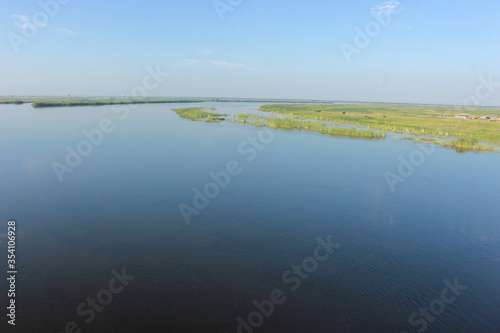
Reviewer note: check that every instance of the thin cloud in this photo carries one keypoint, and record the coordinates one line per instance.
(66, 32)
(25, 21)
(386, 8)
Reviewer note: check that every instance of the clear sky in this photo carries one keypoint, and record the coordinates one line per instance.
(430, 52)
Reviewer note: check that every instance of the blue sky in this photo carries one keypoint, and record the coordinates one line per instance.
(430, 52)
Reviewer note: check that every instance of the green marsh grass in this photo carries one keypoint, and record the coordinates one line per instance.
(465, 145)
(287, 123)
(197, 114)
(436, 122)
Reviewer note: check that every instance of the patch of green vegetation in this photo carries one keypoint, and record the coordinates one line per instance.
(463, 145)
(287, 123)
(96, 102)
(248, 118)
(197, 114)
(434, 122)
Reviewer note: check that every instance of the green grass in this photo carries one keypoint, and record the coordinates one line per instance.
(248, 118)
(197, 114)
(434, 122)
(462, 145)
(287, 123)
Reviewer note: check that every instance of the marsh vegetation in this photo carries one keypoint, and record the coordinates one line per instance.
(462, 145)
(199, 114)
(437, 124)
(288, 123)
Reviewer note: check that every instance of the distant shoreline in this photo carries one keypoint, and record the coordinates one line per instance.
(45, 102)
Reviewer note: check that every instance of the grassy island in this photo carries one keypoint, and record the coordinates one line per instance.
(197, 114)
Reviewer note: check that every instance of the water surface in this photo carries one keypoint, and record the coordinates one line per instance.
(119, 209)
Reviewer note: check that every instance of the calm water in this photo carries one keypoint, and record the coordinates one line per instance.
(119, 209)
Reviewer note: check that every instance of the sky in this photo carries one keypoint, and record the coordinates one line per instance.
(404, 51)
